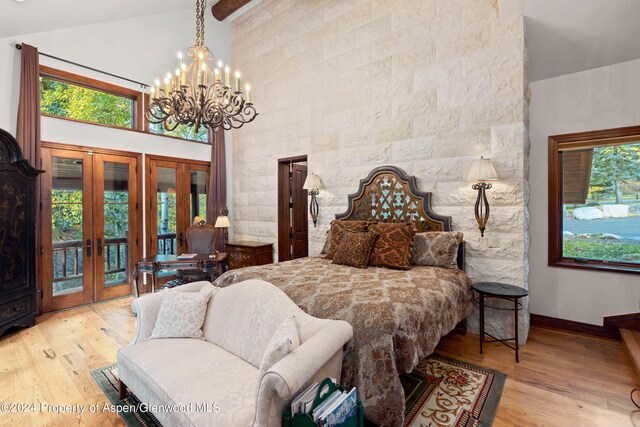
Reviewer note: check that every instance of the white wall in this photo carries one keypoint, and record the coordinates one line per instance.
(140, 49)
(601, 98)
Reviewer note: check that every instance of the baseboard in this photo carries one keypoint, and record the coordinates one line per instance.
(570, 325)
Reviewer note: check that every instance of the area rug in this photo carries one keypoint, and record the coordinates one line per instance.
(440, 392)
(443, 392)
(129, 408)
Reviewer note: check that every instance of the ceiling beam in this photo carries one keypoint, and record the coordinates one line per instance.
(223, 8)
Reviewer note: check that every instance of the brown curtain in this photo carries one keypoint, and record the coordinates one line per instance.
(217, 188)
(28, 130)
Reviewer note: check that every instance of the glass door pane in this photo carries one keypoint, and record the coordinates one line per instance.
(67, 228)
(166, 217)
(197, 195)
(116, 214)
(116, 223)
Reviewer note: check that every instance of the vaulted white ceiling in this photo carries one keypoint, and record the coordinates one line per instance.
(34, 16)
(563, 36)
(567, 36)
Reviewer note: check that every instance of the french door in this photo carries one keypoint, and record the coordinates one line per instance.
(91, 224)
(176, 193)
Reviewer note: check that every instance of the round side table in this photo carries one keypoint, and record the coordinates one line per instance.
(500, 291)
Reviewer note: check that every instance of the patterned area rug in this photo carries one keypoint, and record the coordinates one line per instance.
(133, 415)
(440, 392)
(443, 392)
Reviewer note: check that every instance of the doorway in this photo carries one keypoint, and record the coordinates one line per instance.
(176, 194)
(91, 229)
(293, 217)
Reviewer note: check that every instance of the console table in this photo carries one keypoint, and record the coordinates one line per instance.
(152, 265)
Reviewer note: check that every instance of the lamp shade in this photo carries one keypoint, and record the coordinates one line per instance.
(482, 170)
(312, 182)
(222, 222)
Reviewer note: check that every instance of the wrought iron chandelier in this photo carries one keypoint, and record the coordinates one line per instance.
(200, 94)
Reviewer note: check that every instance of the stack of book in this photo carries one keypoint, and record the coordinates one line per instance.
(332, 411)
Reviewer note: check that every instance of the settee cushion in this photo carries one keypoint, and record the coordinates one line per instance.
(191, 371)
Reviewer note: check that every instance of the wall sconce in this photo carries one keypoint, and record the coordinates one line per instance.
(312, 184)
(482, 170)
(223, 222)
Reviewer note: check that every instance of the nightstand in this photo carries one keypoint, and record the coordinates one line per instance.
(505, 292)
(247, 254)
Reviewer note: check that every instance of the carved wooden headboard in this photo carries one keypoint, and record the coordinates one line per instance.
(388, 194)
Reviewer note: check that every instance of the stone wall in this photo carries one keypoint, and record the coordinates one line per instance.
(425, 85)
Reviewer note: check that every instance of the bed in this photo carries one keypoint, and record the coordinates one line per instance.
(398, 316)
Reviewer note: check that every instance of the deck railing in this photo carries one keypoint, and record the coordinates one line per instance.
(167, 244)
(68, 258)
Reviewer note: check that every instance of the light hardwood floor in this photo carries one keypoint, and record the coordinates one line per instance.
(562, 380)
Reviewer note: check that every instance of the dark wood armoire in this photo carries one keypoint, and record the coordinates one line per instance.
(17, 236)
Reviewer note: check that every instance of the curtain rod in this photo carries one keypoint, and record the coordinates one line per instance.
(143, 85)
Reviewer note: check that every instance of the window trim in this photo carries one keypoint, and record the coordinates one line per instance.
(140, 123)
(558, 143)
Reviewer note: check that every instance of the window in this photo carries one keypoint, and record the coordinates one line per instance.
(182, 131)
(78, 98)
(594, 200)
(74, 97)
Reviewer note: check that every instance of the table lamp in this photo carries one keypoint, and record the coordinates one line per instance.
(223, 222)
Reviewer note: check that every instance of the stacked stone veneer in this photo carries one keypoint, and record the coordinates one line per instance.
(426, 85)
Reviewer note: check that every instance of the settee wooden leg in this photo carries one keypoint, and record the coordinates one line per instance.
(122, 390)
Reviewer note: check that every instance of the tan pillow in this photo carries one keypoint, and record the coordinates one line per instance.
(283, 341)
(337, 231)
(355, 248)
(437, 248)
(393, 247)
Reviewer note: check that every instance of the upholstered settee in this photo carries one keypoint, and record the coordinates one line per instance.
(214, 381)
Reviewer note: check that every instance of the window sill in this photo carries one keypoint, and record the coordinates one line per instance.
(611, 267)
(121, 128)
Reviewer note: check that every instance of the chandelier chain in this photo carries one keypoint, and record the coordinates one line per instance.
(200, 7)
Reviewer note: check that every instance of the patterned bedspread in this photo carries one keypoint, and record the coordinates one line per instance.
(398, 317)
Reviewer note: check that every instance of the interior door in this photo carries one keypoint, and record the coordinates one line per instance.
(299, 219)
(115, 225)
(67, 230)
(293, 228)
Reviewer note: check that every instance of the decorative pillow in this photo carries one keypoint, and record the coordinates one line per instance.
(337, 231)
(437, 248)
(182, 314)
(393, 247)
(284, 340)
(327, 242)
(355, 249)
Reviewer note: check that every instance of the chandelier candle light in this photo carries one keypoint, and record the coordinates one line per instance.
(200, 94)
